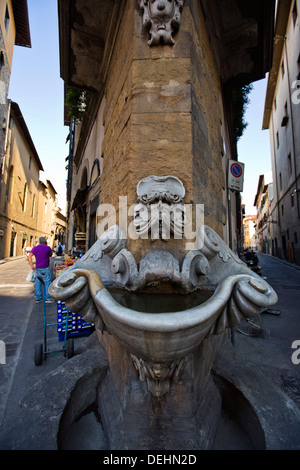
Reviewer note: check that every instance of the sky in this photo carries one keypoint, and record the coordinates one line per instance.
(38, 89)
(36, 86)
(254, 146)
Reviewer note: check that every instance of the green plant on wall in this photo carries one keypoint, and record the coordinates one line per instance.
(240, 100)
(76, 101)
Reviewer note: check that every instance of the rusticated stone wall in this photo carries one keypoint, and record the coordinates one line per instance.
(163, 117)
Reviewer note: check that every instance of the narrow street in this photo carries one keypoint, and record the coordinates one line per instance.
(21, 327)
(274, 348)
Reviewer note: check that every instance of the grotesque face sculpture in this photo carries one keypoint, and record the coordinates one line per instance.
(161, 9)
(162, 18)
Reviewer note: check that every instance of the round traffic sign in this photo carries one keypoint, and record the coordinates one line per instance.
(236, 170)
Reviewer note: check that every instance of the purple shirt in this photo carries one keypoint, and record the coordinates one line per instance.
(42, 254)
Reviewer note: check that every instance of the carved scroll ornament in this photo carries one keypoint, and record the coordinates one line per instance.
(162, 18)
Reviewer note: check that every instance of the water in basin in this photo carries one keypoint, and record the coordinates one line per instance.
(150, 302)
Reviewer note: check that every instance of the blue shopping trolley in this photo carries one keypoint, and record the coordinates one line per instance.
(41, 349)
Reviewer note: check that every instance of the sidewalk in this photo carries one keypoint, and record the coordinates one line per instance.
(12, 258)
(283, 261)
(16, 302)
(21, 328)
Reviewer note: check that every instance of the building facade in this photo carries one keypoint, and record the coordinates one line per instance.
(14, 30)
(50, 222)
(282, 117)
(159, 105)
(250, 238)
(265, 222)
(28, 207)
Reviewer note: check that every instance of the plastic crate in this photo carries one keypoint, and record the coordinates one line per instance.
(76, 325)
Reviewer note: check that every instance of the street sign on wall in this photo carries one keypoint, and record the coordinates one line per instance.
(235, 175)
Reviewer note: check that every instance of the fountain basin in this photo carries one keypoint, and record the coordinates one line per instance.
(165, 336)
(161, 323)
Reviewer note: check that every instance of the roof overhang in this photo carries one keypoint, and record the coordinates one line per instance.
(87, 32)
(241, 33)
(21, 121)
(79, 198)
(22, 23)
(282, 17)
(84, 27)
(259, 186)
(51, 186)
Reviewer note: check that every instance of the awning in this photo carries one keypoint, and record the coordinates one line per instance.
(80, 198)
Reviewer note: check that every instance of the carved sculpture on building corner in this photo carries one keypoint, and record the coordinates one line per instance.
(162, 18)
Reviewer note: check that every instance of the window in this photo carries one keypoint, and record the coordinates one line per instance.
(290, 164)
(6, 20)
(24, 197)
(277, 139)
(11, 123)
(282, 69)
(285, 117)
(33, 206)
(292, 200)
(280, 181)
(24, 239)
(282, 209)
(270, 191)
(1, 61)
(295, 12)
(10, 185)
(95, 172)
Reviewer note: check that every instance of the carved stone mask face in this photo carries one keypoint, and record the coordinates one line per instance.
(161, 8)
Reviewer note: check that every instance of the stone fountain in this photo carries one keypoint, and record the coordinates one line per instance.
(164, 291)
(161, 321)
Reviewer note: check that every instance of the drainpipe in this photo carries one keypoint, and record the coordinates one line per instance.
(229, 220)
(7, 125)
(69, 179)
(277, 191)
(292, 125)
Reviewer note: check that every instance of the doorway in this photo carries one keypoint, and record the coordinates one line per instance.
(13, 244)
(284, 252)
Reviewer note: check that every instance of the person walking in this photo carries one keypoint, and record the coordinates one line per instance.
(59, 249)
(42, 253)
